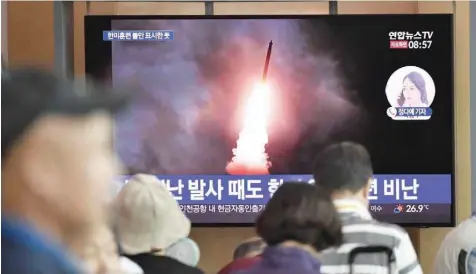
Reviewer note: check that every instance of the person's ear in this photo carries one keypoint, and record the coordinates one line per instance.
(367, 188)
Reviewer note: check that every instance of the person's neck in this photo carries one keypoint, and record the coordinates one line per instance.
(350, 196)
(304, 247)
(157, 251)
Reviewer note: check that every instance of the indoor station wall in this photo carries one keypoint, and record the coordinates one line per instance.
(31, 42)
(431, 238)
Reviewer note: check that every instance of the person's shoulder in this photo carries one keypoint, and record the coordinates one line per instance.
(18, 253)
(375, 227)
(14, 262)
(158, 264)
(191, 270)
(375, 233)
(239, 264)
(129, 266)
(391, 229)
(462, 236)
(390, 226)
(179, 267)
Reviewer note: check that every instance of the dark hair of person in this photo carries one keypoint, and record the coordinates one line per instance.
(247, 247)
(343, 167)
(302, 213)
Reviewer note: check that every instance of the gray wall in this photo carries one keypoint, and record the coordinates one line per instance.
(473, 102)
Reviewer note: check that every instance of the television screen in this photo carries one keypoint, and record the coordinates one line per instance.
(228, 108)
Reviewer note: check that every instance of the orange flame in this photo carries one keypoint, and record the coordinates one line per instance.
(249, 156)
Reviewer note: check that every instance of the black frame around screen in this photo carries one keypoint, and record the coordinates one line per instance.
(98, 56)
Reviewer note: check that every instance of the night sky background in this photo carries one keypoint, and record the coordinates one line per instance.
(328, 75)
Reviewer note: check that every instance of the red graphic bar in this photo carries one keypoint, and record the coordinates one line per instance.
(399, 44)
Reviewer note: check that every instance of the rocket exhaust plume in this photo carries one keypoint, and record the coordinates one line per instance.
(249, 156)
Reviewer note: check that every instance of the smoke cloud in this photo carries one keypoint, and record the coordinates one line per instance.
(191, 91)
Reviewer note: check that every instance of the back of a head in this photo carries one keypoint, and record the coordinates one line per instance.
(343, 167)
(148, 216)
(302, 213)
(249, 248)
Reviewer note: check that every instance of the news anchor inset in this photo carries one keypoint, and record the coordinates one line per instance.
(410, 91)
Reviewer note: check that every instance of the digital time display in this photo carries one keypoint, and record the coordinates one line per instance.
(415, 44)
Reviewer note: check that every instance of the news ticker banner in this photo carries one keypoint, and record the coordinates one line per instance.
(138, 35)
(422, 214)
(241, 190)
(374, 208)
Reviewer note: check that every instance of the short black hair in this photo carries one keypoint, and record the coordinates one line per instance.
(343, 167)
(253, 245)
(28, 94)
(303, 213)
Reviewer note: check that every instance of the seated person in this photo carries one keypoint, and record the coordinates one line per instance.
(457, 253)
(245, 255)
(345, 169)
(298, 222)
(150, 224)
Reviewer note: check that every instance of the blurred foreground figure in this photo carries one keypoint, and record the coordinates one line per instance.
(245, 255)
(99, 253)
(297, 224)
(152, 230)
(346, 171)
(457, 253)
(57, 161)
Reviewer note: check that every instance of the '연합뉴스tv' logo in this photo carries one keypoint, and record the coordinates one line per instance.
(410, 91)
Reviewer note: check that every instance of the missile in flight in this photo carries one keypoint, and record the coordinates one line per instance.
(266, 62)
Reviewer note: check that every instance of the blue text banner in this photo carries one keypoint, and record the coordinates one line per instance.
(228, 189)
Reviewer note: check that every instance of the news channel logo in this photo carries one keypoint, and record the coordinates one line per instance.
(410, 91)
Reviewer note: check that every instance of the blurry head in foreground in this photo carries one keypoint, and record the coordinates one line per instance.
(57, 154)
(57, 158)
(345, 169)
(300, 214)
(148, 218)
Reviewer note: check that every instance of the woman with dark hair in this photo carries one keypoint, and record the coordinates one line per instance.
(414, 91)
(298, 222)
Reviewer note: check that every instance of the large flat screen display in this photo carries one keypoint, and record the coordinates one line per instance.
(229, 108)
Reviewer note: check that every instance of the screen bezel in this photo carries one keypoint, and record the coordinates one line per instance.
(95, 46)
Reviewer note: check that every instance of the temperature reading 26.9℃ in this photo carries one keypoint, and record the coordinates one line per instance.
(412, 208)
